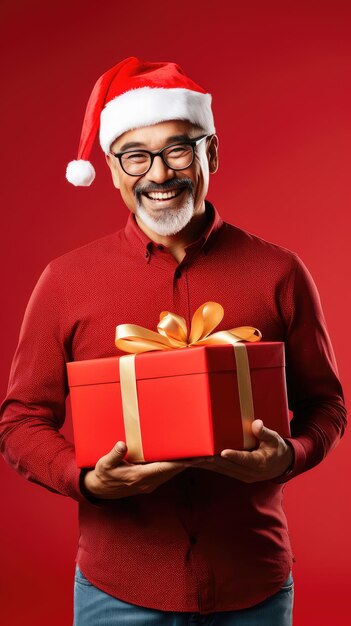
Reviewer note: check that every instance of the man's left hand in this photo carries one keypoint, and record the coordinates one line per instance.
(269, 460)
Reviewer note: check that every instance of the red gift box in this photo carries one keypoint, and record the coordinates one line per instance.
(188, 401)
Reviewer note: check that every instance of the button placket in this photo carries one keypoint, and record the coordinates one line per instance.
(180, 289)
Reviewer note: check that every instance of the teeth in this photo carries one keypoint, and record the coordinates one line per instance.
(157, 195)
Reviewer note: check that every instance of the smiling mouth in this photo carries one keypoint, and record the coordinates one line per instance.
(161, 196)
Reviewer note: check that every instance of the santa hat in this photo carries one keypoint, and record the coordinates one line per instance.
(133, 94)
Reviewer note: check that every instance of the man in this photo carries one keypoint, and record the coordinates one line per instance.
(194, 541)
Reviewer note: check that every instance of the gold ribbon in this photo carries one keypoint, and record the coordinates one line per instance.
(172, 334)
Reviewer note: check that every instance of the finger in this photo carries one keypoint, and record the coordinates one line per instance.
(115, 456)
(164, 467)
(193, 461)
(241, 457)
(226, 467)
(159, 471)
(177, 463)
(263, 433)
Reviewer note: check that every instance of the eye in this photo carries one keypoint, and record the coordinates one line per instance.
(135, 157)
(178, 151)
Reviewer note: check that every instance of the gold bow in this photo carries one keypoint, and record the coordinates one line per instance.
(172, 334)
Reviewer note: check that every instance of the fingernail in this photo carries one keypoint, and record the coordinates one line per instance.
(121, 446)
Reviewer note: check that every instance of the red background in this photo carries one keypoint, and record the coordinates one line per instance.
(280, 76)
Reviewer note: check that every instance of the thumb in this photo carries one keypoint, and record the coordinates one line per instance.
(115, 456)
(262, 433)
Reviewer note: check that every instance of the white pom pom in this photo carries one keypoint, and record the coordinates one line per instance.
(80, 173)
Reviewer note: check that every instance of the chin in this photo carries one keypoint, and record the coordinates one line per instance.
(169, 221)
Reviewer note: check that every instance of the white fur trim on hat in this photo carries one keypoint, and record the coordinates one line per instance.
(148, 105)
(80, 173)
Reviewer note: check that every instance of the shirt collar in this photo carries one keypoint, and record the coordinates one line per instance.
(140, 240)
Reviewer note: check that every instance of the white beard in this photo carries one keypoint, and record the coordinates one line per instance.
(168, 221)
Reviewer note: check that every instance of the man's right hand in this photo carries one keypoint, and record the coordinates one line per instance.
(114, 478)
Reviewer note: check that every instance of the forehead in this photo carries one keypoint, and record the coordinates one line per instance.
(155, 136)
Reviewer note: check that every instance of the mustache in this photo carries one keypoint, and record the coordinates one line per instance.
(175, 183)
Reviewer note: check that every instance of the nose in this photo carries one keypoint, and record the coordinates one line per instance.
(159, 171)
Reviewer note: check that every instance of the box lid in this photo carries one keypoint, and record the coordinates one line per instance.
(182, 361)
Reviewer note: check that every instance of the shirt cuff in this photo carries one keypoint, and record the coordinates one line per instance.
(298, 463)
(86, 495)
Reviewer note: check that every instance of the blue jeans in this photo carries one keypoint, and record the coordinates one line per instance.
(93, 607)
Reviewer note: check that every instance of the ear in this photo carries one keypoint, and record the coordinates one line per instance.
(212, 154)
(111, 162)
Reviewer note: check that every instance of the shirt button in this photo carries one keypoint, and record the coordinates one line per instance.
(192, 539)
(160, 247)
(178, 273)
(147, 254)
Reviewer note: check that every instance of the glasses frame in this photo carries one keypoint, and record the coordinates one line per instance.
(152, 155)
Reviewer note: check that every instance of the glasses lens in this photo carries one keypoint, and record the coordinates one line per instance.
(136, 163)
(178, 157)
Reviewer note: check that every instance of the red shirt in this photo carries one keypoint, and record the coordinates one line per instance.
(202, 541)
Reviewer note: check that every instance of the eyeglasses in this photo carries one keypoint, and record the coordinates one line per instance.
(177, 156)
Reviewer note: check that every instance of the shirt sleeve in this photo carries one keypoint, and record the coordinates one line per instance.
(315, 394)
(33, 410)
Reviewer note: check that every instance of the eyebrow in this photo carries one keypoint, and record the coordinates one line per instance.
(138, 144)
